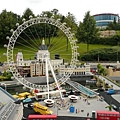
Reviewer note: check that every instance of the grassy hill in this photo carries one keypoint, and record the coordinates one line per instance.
(58, 45)
(83, 47)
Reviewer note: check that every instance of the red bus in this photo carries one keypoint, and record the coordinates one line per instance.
(108, 115)
(42, 117)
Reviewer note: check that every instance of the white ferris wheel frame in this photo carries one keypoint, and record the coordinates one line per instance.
(20, 29)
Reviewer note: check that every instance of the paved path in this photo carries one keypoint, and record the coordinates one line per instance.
(109, 82)
(81, 104)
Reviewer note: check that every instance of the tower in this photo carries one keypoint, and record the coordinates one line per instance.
(19, 58)
(42, 52)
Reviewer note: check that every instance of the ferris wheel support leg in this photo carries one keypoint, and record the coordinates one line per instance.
(55, 78)
(47, 76)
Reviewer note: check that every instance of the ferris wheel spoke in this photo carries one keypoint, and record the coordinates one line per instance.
(36, 33)
(34, 49)
(33, 38)
(55, 44)
(60, 48)
(26, 42)
(52, 38)
(34, 43)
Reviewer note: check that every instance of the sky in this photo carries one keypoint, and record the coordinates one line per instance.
(76, 7)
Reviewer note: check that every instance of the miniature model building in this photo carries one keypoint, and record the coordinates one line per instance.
(36, 67)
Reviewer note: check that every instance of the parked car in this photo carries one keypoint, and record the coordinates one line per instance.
(30, 105)
(114, 107)
(110, 92)
(27, 100)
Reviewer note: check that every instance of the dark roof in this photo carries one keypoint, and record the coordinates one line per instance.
(43, 47)
(105, 14)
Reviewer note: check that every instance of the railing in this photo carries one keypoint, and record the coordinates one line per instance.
(86, 91)
(8, 94)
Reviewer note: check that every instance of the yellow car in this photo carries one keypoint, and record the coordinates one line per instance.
(41, 109)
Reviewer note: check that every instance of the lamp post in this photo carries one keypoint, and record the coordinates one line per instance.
(98, 56)
(57, 110)
(5, 86)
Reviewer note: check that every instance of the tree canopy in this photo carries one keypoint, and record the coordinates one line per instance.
(8, 21)
(87, 30)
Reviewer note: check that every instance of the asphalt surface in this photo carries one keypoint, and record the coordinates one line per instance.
(110, 100)
(28, 111)
(107, 98)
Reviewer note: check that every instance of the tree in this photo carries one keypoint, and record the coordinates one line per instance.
(80, 33)
(27, 13)
(98, 83)
(5, 73)
(71, 22)
(54, 11)
(8, 21)
(104, 84)
(88, 32)
(109, 107)
(101, 69)
(47, 30)
(29, 31)
(99, 66)
(113, 25)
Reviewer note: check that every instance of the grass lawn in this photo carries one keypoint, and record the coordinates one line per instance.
(57, 46)
(83, 47)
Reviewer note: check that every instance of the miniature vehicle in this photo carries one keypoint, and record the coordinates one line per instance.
(100, 90)
(42, 117)
(110, 115)
(42, 95)
(23, 95)
(30, 105)
(110, 92)
(27, 100)
(41, 109)
(114, 106)
(15, 96)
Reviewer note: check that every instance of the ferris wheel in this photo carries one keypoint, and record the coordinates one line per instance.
(29, 46)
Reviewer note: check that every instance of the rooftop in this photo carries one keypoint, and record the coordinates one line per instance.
(43, 46)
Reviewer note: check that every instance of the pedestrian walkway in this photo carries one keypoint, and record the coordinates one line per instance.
(109, 82)
(86, 91)
(83, 106)
(116, 97)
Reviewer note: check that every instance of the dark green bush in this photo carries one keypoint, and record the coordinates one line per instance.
(104, 54)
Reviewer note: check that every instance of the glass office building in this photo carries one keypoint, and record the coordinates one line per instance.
(102, 20)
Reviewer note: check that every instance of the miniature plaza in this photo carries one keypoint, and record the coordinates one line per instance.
(82, 108)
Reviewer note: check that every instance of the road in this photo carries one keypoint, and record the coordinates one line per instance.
(109, 99)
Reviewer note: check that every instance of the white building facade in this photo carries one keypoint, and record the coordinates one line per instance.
(37, 67)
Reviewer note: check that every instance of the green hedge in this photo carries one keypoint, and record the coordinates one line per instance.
(114, 40)
(104, 54)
